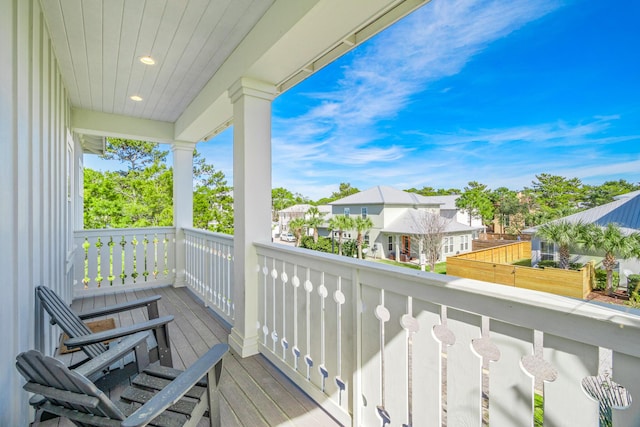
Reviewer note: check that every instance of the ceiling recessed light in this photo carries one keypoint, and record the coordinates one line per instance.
(136, 98)
(147, 60)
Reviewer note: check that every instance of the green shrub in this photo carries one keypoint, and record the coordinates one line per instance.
(601, 280)
(323, 244)
(632, 283)
(349, 248)
(548, 263)
(551, 263)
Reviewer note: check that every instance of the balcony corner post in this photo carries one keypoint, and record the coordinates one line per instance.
(251, 101)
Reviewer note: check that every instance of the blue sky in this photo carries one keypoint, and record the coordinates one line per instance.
(459, 91)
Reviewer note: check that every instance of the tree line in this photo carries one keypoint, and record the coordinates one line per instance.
(141, 194)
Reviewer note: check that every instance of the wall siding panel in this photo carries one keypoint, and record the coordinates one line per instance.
(34, 118)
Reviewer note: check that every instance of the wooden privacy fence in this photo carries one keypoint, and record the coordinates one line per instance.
(493, 265)
(504, 254)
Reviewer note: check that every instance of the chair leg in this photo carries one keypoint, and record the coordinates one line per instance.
(213, 394)
(142, 356)
(164, 346)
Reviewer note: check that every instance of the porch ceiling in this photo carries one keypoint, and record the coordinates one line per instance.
(201, 47)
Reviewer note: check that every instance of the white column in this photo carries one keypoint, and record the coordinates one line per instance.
(251, 202)
(182, 201)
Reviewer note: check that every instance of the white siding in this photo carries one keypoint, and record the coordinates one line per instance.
(34, 117)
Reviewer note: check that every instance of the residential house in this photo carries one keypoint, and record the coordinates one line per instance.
(623, 211)
(300, 211)
(345, 331)
(397, 221)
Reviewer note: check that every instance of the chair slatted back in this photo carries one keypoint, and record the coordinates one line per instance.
(68, 321)
(63, 387)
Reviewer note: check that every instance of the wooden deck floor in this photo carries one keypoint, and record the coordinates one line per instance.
(254, 392)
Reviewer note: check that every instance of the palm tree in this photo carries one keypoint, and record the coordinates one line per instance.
(565, 234)
(296, 226)
(340, 223)
(314, 220)
(613, 242)
(362, 225)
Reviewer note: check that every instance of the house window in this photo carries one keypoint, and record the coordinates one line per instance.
(464, 243)
(366, 239)
(390, 243)
(364, 213)
(547, 251)
(448, 245)
(347, 211)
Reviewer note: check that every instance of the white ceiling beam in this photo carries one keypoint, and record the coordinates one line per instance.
(113, 125)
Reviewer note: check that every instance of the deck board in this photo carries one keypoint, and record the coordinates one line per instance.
(253, 391)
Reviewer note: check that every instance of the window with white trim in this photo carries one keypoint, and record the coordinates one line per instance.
(390, 243)
(547, 251)
(363, 213)
(448, 245)
(347, 211)
(464, 243)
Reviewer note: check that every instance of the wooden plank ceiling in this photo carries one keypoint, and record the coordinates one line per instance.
(98, 44)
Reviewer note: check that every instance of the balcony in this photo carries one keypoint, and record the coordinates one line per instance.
(378, 345)
(370, 344)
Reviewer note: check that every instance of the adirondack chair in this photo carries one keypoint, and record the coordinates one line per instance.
(159, 395)
(92, 343)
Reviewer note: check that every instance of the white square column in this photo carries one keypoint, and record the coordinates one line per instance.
(251, 202)
(182, 201)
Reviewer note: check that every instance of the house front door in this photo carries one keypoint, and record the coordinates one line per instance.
(405, 254)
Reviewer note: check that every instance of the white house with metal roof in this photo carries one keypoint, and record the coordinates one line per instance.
(623, 211)
(397, 216)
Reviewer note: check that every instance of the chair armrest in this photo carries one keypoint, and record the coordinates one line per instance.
(115, 353)
(117, 308)
(118, 332)
(177, 388)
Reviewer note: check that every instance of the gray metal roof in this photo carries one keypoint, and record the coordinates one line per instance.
(447, 202)
(410, 223)
(385, 195)
(624, 211)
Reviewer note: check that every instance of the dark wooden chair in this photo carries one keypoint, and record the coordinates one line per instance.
(159, 396)
(92, 343)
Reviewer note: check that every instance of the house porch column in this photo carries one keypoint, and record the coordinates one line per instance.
(251, 202)
(182, 201)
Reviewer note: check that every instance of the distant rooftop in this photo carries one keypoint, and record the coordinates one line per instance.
(385, 195)
(412, 222)
(623, 211)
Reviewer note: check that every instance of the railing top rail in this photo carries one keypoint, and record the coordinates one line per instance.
(579, 320)
(123, 231)
(201, 232)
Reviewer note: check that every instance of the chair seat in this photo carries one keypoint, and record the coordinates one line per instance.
(158, 396)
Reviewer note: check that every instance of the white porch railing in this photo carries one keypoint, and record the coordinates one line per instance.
(380, 345)
(209, 269)
(128, 257)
